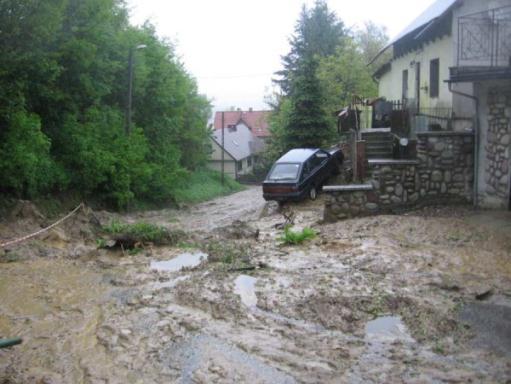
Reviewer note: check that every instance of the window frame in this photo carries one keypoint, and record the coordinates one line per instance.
(434, 78)
(404, 84)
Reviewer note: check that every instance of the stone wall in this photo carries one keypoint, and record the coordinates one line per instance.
(497, 144)
(442, 173)
(446, 165)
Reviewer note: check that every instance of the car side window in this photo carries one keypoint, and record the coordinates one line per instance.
(306, 170)
(318, 159)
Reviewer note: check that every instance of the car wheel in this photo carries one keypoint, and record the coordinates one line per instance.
(313, 193)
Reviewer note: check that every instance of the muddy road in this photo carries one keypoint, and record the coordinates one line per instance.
(423, 297)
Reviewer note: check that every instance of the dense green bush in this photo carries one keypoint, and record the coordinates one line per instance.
(26, 167)
(63, 93)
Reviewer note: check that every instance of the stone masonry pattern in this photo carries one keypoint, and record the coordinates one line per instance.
(443, 172)
(497, 145)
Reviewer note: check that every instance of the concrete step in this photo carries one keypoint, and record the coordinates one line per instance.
(379, 145)
(379, 152)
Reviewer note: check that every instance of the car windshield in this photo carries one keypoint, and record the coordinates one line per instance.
(285, 172)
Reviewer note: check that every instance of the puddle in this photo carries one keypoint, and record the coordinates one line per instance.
(184, 260)
(386, 327)
(245, 287)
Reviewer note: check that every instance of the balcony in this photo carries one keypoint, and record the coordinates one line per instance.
(484, 46)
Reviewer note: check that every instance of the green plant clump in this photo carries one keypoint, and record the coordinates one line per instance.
(143, 232)
(294, 238)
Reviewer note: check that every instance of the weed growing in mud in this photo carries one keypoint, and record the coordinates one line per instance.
(142, 231)
(227, 253)
(101, 243)
(10, 257)
(294, 238)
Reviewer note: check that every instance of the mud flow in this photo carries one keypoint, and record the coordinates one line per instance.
(422, 297)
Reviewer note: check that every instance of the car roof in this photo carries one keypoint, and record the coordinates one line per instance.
(298, 155)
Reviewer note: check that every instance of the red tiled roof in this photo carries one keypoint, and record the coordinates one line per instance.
(257, 121)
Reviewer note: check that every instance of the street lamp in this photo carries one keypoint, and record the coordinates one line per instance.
(130, 86)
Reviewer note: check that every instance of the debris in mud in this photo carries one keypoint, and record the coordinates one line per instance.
(238, 230)
(235, 254)
(484, 294)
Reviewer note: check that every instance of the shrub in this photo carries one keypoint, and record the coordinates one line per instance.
(26, 167)
(141, 232)
(294, 238)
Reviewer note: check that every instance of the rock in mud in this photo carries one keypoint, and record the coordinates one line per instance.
(238, 230)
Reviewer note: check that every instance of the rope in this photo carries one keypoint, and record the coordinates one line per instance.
(27, 237)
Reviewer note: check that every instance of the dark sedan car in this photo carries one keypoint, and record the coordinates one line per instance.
(301, 173)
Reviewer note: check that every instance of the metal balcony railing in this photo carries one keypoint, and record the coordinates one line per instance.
(484, 39)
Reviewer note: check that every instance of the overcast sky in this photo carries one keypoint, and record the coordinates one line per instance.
(232, 47)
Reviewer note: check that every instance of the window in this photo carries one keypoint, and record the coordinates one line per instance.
(318, 159)
(231, 128)
(249, 161)
(285, 172)
(239, 165)
(405, 85)
(434, 77)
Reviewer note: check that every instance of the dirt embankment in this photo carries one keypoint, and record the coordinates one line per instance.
(421, 297)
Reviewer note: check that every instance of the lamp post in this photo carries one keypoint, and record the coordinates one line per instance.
(130, 86)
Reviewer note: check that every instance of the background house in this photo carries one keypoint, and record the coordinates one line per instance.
(245, 136)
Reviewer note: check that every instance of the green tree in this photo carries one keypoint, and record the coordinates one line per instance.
(307, 124)
(318, 32)
(371, 40)
(344, 75)
(300, 118)
(63, 91)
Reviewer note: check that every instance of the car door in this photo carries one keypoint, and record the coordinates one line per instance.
(306, 175)
(321, 171)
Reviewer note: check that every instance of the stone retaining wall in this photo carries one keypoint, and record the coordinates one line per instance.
(442, 173)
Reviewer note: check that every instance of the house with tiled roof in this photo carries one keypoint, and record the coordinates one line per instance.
(255, 121)
(241, 141)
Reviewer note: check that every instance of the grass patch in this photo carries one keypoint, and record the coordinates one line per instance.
(204, 185)
(233, 254)
(140, 233)
(291, 237)
(144, 232)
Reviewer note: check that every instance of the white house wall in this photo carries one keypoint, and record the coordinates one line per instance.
(390, 84)
(215, 162)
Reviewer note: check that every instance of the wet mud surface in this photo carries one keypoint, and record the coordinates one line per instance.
(416, 298)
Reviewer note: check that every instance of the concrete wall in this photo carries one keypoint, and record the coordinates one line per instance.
(494, 166)
(443, 173)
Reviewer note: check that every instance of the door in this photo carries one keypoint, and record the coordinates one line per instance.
(418, 86)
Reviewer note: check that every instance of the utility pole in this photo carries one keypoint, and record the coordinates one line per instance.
(130, 86)
(130, 91)
(223, 150)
